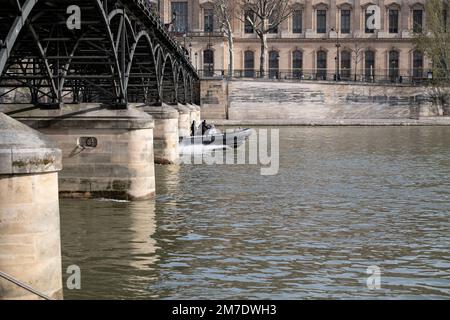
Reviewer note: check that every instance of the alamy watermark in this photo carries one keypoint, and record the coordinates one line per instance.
(374, 279)
(74, 20)
(74, 280)
(373, 21)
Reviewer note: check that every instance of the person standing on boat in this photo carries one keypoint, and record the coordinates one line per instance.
(193, 128)
(204, 127)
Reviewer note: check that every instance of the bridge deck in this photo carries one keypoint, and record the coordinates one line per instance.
(112, 51)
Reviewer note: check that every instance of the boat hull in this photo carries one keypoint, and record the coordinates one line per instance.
(229, 139)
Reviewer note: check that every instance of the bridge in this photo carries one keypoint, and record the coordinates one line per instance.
(104, 51)
(108, 93)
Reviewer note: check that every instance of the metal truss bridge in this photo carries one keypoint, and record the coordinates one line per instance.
(100, 51)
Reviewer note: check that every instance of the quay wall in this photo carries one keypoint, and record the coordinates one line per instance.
(249, 100)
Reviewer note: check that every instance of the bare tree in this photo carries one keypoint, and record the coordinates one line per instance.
(358, 50)
(225, 11)
(264, 17)
(434, 42)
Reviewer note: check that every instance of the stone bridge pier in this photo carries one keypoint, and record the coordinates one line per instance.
(107, 153)
(114, 94)
(30, 249)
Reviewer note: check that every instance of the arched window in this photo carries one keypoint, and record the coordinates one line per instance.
(321, 65)
(297, 64)
(417, 64)
(393, 65)
(208, 63)
(346, 65)
(249, 64)
(369, 65)
(274, 64)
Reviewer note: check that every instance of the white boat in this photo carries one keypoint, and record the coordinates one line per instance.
(214, 137)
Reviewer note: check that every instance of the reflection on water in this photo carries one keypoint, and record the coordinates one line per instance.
(112, 244)
(344, 199)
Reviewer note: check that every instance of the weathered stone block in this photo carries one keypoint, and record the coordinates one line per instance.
(166, 134)
(91, 172)
(29, 212)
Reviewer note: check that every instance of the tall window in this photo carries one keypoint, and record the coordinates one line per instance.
(273, 29)
(274, 64)
(248, 28)
(208, 63)
(321, 21)
(209, 20)
(417, 64)
(346, 64)
(393, 21)
(368, 14)
(297, 64)
(417, 20)
(249, 64)
(393, 65)
(321, 65)
(180, 12)
(297, 21)
(345, 21)
(369, 65)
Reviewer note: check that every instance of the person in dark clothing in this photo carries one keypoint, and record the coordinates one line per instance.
(193, 128)
(204, 127)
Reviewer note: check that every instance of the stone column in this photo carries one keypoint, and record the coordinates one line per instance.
(30, 249)
(184, 121)
(166, 134)
(308, 16)
(332, 15)
(107, 153)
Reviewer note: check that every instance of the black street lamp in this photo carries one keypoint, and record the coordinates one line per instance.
(338, 53)
(196, 61)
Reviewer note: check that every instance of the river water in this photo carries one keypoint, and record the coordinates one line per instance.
(345, 199)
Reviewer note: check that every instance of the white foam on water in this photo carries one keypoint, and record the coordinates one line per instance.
(112, 200)
(200, 149)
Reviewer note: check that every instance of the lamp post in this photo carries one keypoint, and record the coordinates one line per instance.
(196, 61)
(278, 67)
(338, 53)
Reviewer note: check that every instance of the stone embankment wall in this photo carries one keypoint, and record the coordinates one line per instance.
(214, 99)
(273, 100)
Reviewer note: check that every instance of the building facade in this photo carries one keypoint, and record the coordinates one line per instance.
(319, 40)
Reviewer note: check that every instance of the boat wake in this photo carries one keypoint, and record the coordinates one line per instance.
(112, 200)
(200, 149)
